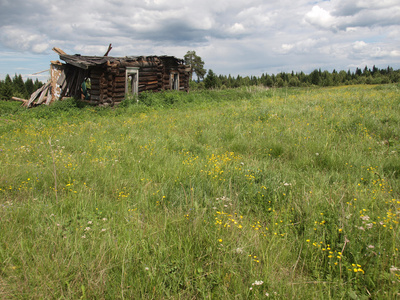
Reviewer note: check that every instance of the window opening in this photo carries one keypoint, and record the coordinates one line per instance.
(132, 81)
(174, 81)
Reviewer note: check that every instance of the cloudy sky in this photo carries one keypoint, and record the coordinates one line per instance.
(233, 37)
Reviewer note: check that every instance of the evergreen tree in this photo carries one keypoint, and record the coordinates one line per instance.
(366, 71)
(19, 86)
(196, 65)
(37, 85)
(315, 77)
(374, 70)
(7, 90)
(29, 87)
(211, 80)
(268, 80)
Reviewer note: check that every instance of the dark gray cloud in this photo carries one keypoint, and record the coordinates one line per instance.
(233, 36)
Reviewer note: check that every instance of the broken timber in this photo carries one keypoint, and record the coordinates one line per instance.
(106, 80)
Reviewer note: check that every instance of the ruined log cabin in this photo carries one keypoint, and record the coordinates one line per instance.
(109, 80)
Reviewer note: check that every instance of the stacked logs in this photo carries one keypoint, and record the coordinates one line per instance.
(108, 84)
(108, 77)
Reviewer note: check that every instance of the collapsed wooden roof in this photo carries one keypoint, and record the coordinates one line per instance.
(86, 62)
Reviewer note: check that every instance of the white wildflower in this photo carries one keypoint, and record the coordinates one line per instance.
(394, 269)
(257, 282)
(90, 222)
(87, 228)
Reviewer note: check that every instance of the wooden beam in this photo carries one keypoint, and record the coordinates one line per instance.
(108, 51)
(20, 100)
(59, 51)
(40, 72)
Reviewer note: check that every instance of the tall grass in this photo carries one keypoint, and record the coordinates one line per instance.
(219, 194)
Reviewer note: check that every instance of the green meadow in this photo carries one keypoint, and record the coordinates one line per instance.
(227, 194)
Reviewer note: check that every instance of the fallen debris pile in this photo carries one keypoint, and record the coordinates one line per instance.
(41, 95)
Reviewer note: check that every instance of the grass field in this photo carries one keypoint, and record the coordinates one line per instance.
(231, 194)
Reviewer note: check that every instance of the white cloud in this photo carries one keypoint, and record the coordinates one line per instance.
(359, 45)
(347, 15)
(304, 46)
(287, 47)
(231, 36)
(320, 18)
(21, 39)
(236, 28)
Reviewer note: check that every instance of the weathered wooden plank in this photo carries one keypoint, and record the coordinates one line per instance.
(148, 78)
(120, 79)
(120, 85)
(118, 90)
(24, 101)
(61, 79)
(152, 73)
(95, 97)
(94, 81)
(118, 95)
(59, 51)
(42, 95)
(35, 94)
(151, 86)
(149, 82)
(94, 92)
(48, 101)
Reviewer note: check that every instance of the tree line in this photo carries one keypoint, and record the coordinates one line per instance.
(16, 87)
(315, 78)
(300, 79)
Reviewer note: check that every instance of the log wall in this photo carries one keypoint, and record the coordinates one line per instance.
(108, 83)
